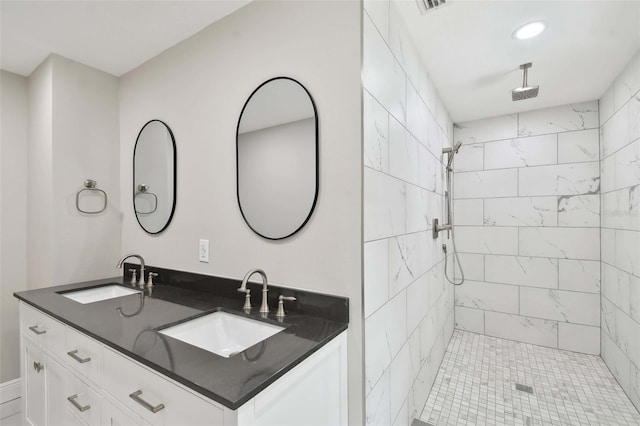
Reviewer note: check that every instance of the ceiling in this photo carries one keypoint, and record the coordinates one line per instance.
(466, 45)
(472, 59)
(113, 36)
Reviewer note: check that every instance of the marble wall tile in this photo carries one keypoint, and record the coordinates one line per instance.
(615, 133)
(487, 296)
(517, 270)
(564, 179)
(403, 415)
(580, 146)
(627, 84)
(378, 11)
(579, 210)
(622, 289)
(468, 212)
(488, 129)
(608, 243)
(485, 184)
(608, 317)
(382, 75)
(487, 240)
(522, 329)
(621, 209)
(469, 158)
(627, 336)
(424, 86)
(470, 319)
(608, 174)
(378, 404)
(522, 211)
(429, 169)
(579, 338)
(410, 256)
(606, 106)
(418, 218)
(376, 275)
(473, 266)
(521, 152)
(418, 302)
(400, 380)
(385, 334)
(403, 153)
(384, 205)
(376, 134)
(564, 306)
(402, 46)
(559, 119)
(580, 275)
(568, 243)
(416, 113)
(615, 360)
(627, 165)
(627, 255)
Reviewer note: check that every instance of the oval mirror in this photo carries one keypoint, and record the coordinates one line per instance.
(277, 158)
(154, 176)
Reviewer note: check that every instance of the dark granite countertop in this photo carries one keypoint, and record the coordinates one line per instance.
(311, 322)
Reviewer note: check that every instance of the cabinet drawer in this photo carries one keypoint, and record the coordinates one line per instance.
(144, 391)
(84, 355)
(43, 329)
(69, 398)
(83, 401)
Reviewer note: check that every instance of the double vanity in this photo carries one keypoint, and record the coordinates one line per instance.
(183, 352)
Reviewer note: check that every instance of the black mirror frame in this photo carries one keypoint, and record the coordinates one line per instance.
(175, 174)
(317, 173)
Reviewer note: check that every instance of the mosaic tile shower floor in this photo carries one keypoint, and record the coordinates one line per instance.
(476, 385)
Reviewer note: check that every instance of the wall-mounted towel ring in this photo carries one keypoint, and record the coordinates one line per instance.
(143, 192)
(90, 187)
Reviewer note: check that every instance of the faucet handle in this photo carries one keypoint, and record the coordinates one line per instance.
(281, 299)
(134, 278)
(150, 280)
(247, 301)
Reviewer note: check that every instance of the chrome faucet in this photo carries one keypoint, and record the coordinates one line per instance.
(120, 264)
(264, 307)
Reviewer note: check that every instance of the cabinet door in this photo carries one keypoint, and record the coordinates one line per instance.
(58, 379)
(34, 377)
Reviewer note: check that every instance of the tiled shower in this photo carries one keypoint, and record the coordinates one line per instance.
(547, 215)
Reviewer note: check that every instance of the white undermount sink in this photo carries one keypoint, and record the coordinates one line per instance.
(222, 333)
(96, 294)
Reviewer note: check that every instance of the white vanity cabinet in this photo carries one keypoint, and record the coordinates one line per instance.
(65, 375)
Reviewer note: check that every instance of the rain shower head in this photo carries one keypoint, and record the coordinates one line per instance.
(524, 92)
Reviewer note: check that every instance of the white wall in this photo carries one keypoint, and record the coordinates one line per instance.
(620, 163)
(527, 213)
(40, 175)
(13, 215)
(408, 306)
(198, 88)
(85, 145)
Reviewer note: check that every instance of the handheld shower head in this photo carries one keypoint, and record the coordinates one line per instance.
(456, 147)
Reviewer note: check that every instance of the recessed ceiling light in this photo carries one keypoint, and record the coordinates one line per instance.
(529, 30)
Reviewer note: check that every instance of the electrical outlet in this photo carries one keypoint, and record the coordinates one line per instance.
(203, 251)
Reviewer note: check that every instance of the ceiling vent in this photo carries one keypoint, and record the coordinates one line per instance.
(427, 5)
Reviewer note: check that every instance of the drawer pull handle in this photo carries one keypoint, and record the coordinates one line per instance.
(73, 355)
(72, 399)
(38, 366)
(136, 397)
(36, 329)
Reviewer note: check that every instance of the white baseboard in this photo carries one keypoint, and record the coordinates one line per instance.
(9, 398)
